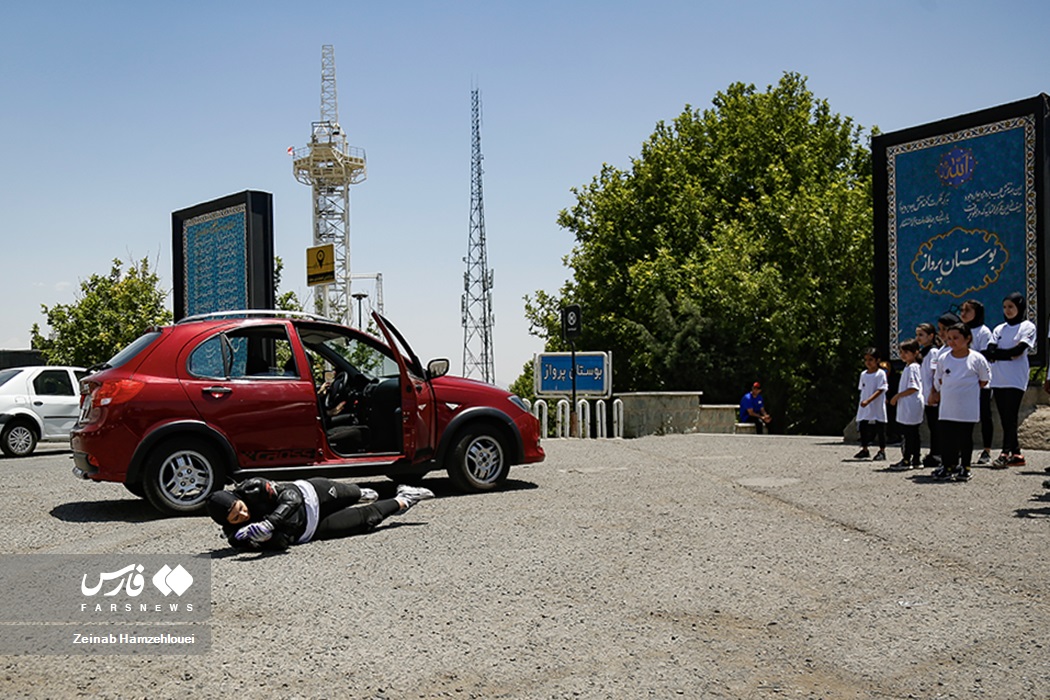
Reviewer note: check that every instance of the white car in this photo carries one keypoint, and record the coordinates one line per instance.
(37, 404)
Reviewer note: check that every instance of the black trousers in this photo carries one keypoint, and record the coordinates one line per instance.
(338, 516)
(987, 428)
(956, 443)
(932, 413)
(872, 431)
(1008, 401)
(910, 446)
(759, 423)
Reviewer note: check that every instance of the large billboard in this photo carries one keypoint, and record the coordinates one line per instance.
(222, 255)
(961, 213)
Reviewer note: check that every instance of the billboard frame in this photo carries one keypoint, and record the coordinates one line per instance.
(974, 125)
(258, 290)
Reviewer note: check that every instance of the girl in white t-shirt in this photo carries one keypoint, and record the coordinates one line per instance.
(910, 403)
(929, 351)
(972, 314)
(1008, 350)
(871, 412)
(960, 375)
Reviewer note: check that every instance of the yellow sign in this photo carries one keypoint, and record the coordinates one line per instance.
(320, 264)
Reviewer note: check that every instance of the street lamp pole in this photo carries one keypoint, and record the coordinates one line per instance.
(360, 296)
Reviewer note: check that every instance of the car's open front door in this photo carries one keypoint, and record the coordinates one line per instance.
(417, 396)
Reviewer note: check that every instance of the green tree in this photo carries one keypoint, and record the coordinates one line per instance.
(286, 301)
(110, 311)
(524, 386)
(737, 247)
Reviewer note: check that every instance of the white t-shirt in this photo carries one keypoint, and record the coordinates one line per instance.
(870, 382)
(910, 408)
(1012, 374)
(981, 337)
(958, 379)
(929, 368)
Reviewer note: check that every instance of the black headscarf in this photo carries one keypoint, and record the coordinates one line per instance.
(978, 314)
(1020, 303)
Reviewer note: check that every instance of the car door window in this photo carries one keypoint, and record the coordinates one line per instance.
(332, 352)
(53, 382)
(257, 352)
(209, 359)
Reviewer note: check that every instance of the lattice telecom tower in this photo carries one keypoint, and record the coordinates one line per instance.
(329, 166)
(477, 281)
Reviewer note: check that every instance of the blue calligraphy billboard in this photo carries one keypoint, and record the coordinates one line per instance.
(552, 374)
(222, 254)
(960, 214)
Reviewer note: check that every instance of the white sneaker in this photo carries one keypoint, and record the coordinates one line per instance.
(408, 496)
(367, 496)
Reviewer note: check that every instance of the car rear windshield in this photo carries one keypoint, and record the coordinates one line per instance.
(7, 374)
(140, 344)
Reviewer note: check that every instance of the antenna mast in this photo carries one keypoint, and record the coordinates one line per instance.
(477, 281)
(329, 166)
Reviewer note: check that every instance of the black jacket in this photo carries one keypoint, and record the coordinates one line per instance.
(278, 502)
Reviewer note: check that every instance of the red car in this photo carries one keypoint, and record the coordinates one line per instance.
(222, 397)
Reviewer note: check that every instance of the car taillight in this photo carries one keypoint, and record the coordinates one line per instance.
(107, 393)
(115, 392)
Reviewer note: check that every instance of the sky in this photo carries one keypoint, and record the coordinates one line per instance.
(115, 114)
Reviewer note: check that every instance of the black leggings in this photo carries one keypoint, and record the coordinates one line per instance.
(338, 516)
(956, 443)
(1008, 401)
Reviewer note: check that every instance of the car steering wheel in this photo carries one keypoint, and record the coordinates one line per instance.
(333, 396)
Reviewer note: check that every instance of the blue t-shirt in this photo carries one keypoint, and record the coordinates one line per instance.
(755, 403)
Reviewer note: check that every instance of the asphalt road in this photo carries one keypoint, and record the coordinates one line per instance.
(702, 566)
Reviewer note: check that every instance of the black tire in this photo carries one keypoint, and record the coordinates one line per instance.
(181, 473)
(136, 489)
(18, 438)
(478, 461)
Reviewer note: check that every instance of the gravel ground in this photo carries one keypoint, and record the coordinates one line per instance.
(712, 566)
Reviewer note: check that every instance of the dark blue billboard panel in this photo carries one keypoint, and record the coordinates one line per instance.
(960, 214)
(222, 255)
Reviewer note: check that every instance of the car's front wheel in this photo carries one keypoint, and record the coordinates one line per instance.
(478, 461)
(18, 439)
(181, 473)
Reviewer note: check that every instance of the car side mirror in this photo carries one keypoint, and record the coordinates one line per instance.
(437, 368)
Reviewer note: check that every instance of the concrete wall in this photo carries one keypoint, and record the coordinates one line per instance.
(660, 412)
(664, 412)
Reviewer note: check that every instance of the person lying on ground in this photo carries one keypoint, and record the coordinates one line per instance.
(271, 515)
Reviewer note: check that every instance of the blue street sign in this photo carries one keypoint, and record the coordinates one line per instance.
(553, 377)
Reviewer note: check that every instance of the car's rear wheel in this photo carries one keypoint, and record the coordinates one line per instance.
(478, 462)
(18, 439)
(136, 488)
(181, 473)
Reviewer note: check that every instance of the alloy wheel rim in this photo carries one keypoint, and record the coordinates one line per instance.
(186, 477)
(20, 439)
(484, 459)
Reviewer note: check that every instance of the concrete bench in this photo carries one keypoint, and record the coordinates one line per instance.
(745, 429)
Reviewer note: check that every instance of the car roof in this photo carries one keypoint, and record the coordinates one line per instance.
(253, 314)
